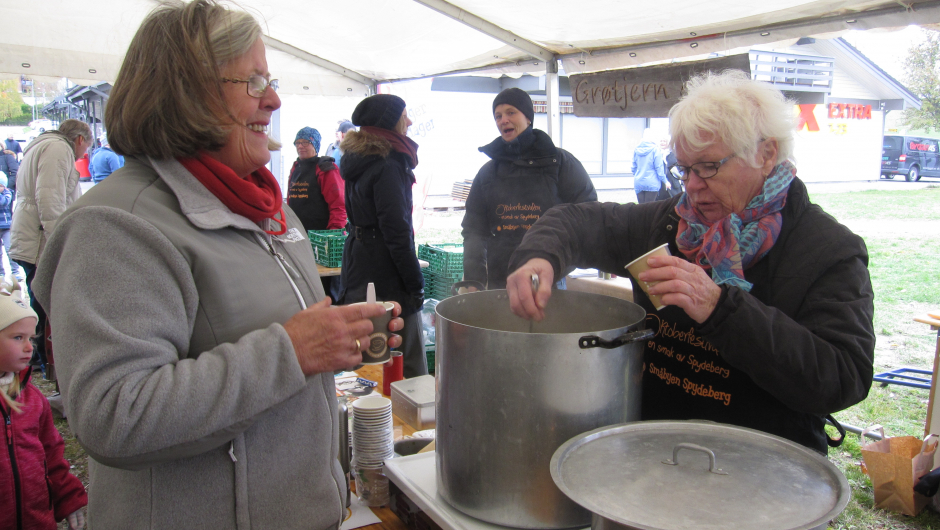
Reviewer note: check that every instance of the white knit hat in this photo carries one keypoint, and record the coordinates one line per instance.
(12, 306)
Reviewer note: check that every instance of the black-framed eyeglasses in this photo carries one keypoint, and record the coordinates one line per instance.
(303, 143)
(704, 170)
(257, 84)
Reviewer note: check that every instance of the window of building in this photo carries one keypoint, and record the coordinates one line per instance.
(623, 135)
(584, 138)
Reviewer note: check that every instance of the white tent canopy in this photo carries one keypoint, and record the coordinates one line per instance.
(345, 48)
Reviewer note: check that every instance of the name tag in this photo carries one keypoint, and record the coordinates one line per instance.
(293, 235)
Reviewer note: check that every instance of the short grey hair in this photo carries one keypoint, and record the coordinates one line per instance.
(731, 108)
(72, 129)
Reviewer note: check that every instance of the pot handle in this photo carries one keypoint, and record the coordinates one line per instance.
(593, 341)
(711, 457)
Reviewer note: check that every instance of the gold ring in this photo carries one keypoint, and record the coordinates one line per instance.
(358, 346)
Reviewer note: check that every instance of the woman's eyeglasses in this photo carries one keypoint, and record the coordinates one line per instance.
(257, 84)
(704, 170)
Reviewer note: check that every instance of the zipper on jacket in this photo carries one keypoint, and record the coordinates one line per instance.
(8, 427)
(290, 274)
(45, 471)
(280, 257)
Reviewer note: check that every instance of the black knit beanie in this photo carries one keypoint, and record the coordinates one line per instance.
(380, 110)
(517, 98)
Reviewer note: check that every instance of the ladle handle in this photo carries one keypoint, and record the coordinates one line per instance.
(712, 467)
(593, 341)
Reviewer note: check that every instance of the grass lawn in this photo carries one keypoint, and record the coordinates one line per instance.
(902, 231)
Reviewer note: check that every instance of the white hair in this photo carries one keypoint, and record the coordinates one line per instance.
(731, 108)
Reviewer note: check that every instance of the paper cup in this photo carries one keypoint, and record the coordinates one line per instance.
(639, 265)
(377, 351)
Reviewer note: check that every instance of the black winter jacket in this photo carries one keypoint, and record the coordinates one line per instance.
(378, 205)
(523, 180)
(799, 346)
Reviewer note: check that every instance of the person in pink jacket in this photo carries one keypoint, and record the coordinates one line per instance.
(36, 487)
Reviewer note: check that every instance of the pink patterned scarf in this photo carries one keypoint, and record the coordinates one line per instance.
(733, 244)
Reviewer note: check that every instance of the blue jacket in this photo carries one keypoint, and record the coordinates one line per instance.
(6, 208)
(648, 171)
(14, 146)
(104, 162)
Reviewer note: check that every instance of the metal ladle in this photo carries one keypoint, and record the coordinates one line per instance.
(535, 290)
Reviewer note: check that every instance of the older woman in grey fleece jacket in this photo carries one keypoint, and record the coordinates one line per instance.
(195, 346)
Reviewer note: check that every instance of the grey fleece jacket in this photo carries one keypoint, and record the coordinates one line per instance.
(178, 377)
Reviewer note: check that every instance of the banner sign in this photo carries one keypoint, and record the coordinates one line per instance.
(642, 92)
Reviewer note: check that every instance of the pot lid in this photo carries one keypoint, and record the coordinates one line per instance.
(628, 475)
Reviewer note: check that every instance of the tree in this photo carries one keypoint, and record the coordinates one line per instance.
(922, 68)
(10, 100)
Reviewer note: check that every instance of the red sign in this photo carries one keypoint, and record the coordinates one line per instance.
(807, 118)
(914, 146)
(850, 111)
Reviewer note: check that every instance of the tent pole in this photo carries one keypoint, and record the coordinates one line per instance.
(486, 27)
(551, 101)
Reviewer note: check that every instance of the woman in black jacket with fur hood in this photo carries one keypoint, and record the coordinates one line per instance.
(377, 166)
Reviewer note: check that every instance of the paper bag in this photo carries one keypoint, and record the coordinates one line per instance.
(894, 466)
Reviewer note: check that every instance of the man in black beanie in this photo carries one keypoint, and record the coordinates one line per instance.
(382, 111)
(526, 168)
(517, 98)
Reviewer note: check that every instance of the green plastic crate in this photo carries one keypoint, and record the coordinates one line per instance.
(443, 258)
(328, 246)
(438, 286)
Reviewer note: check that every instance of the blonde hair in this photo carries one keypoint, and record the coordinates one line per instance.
(167, 100)
(731, 108)
(9, 393)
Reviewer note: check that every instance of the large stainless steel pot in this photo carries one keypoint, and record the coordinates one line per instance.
(672, 475)
(509, 395)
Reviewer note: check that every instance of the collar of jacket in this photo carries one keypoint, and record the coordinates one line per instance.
(302, 163)
(540, 145)
(667, 220)
(197, 203)
(48, 136)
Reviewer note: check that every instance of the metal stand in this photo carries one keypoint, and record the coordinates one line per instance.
(898, 377)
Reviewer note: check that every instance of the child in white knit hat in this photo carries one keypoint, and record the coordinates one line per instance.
(34, 467)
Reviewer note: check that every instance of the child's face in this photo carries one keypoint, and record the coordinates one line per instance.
(16, 348)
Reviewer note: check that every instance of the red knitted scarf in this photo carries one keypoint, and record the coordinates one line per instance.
(257, 196)
(400, 143)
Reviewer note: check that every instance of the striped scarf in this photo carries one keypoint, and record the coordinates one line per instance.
(733, 244)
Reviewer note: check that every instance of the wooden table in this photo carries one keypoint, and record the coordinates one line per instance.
(932, 425)
(335, 271)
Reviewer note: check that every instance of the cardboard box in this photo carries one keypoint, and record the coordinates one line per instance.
(413, 401)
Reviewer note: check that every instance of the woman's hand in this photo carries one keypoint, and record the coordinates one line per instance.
(328, 338)
(683, 284)
(519, 284)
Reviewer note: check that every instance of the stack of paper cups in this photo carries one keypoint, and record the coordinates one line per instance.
(373, 442)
